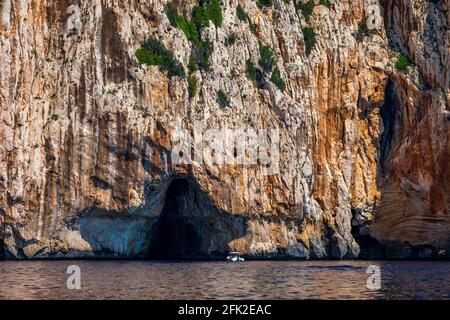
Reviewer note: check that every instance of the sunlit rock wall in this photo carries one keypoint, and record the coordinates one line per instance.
(414, 218)
(87, 132)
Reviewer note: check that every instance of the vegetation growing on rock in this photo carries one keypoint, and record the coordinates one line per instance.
(363, 31)
(402, 63)
(192, 66)
(310, 39)
(154, 53)
(192, 85)
(241, 14)
(202, 49)
(215, 13)
(202, 53)
(230, 40)
(244, 17)
(189, 28)
(192, 79)
(277, 80)
(264, 3)
(200, 16)
(222, 99)
(254, 74)
(306, 8)
(250, 70)
(267, 58)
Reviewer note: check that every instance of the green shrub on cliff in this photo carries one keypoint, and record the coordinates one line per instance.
(192, 85)
(192, 79)
(203, 53)
(306, 8)
(310, 39)
(277, 80)
(152, 187)
(192, 65)
(230, 40)
(250, 70)
(189, 28)
(222, 99)
(172, 14)
(215, 13)
(267, 58)
(154, 53)
(241, 14)
(244, 17)
(402, 63)
(264, 3)
(363, 31)
(200, 16)
(254, 74)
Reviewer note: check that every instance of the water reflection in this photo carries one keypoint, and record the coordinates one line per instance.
(217, 280)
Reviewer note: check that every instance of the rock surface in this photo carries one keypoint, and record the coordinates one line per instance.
(87, 132)
(415, 188)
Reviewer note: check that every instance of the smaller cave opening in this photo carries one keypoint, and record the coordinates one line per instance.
(371, 248)
(389, 116)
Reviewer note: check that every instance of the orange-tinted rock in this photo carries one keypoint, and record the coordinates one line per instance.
(86, 133)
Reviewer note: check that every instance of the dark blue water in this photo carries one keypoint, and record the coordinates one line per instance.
(217, 280)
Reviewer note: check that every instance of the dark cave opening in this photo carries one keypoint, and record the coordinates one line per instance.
(176, 234)
(371, 248)
(388, 114)
(191, 227)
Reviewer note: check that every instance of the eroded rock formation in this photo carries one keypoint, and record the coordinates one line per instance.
(413, 217)
(87, 131)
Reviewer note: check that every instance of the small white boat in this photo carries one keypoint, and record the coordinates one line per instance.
(235, 257)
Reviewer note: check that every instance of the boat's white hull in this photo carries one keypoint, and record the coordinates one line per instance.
(235, 259)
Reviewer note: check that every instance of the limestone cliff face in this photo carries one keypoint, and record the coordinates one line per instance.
(87, 132)
(415, 187)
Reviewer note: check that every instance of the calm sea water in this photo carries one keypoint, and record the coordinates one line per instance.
(217, 280)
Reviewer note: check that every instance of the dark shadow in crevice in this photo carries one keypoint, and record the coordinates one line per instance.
(371, 248)
(389, 116)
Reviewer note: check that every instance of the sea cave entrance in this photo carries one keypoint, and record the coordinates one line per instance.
(177, 230)
(186, 227)
(190, 227)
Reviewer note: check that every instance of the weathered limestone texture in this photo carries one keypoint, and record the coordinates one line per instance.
(86, 131)
(413, 219)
